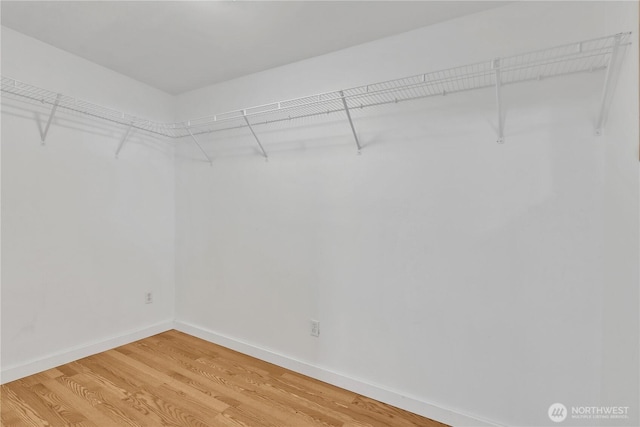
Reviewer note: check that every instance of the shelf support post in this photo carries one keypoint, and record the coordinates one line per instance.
(607, 84)
(246, 119)
(51, 115)
(199, 146)
(353, 129)
(496, 66)
(124, 139)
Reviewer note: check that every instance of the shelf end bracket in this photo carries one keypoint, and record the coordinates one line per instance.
(495, 64)
(353, 129)
(51, 115)
(604, 99)
(204, 153)
(246, 119)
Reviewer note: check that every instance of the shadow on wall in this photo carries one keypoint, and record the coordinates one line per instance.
(297, 135)
(383, 124)
(438, 118)
(86, 125)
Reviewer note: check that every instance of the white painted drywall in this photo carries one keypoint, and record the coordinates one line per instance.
(442, 266)
(84, 235)
(621, 253)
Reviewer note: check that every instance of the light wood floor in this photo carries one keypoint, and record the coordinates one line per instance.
(174, 379)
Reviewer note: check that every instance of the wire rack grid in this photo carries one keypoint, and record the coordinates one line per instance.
(585, 56)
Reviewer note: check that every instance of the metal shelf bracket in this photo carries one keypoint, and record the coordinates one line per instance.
(264, 153)
(51, 115)
(199, 146)
(124, 139)
(495, 64)
(604, 100)
(353, 129)
(598, 54)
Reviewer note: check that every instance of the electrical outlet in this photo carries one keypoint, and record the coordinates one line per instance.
(148, 298)
(315, 328)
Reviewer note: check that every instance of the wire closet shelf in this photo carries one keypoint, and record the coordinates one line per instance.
(585, 56)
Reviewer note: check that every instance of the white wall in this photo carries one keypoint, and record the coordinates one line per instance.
(442, 266)
(621, 335)
(84, 235)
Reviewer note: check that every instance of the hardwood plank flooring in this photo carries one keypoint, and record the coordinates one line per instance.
(174, 379)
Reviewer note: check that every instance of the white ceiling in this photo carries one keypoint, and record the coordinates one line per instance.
(178, 46)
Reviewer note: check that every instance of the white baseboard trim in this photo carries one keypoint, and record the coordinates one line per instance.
(412, 404)
(14, 372)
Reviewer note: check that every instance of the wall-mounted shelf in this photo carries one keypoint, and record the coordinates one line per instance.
(585, 56)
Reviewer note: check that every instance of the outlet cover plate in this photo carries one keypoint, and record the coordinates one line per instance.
(315, 328)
